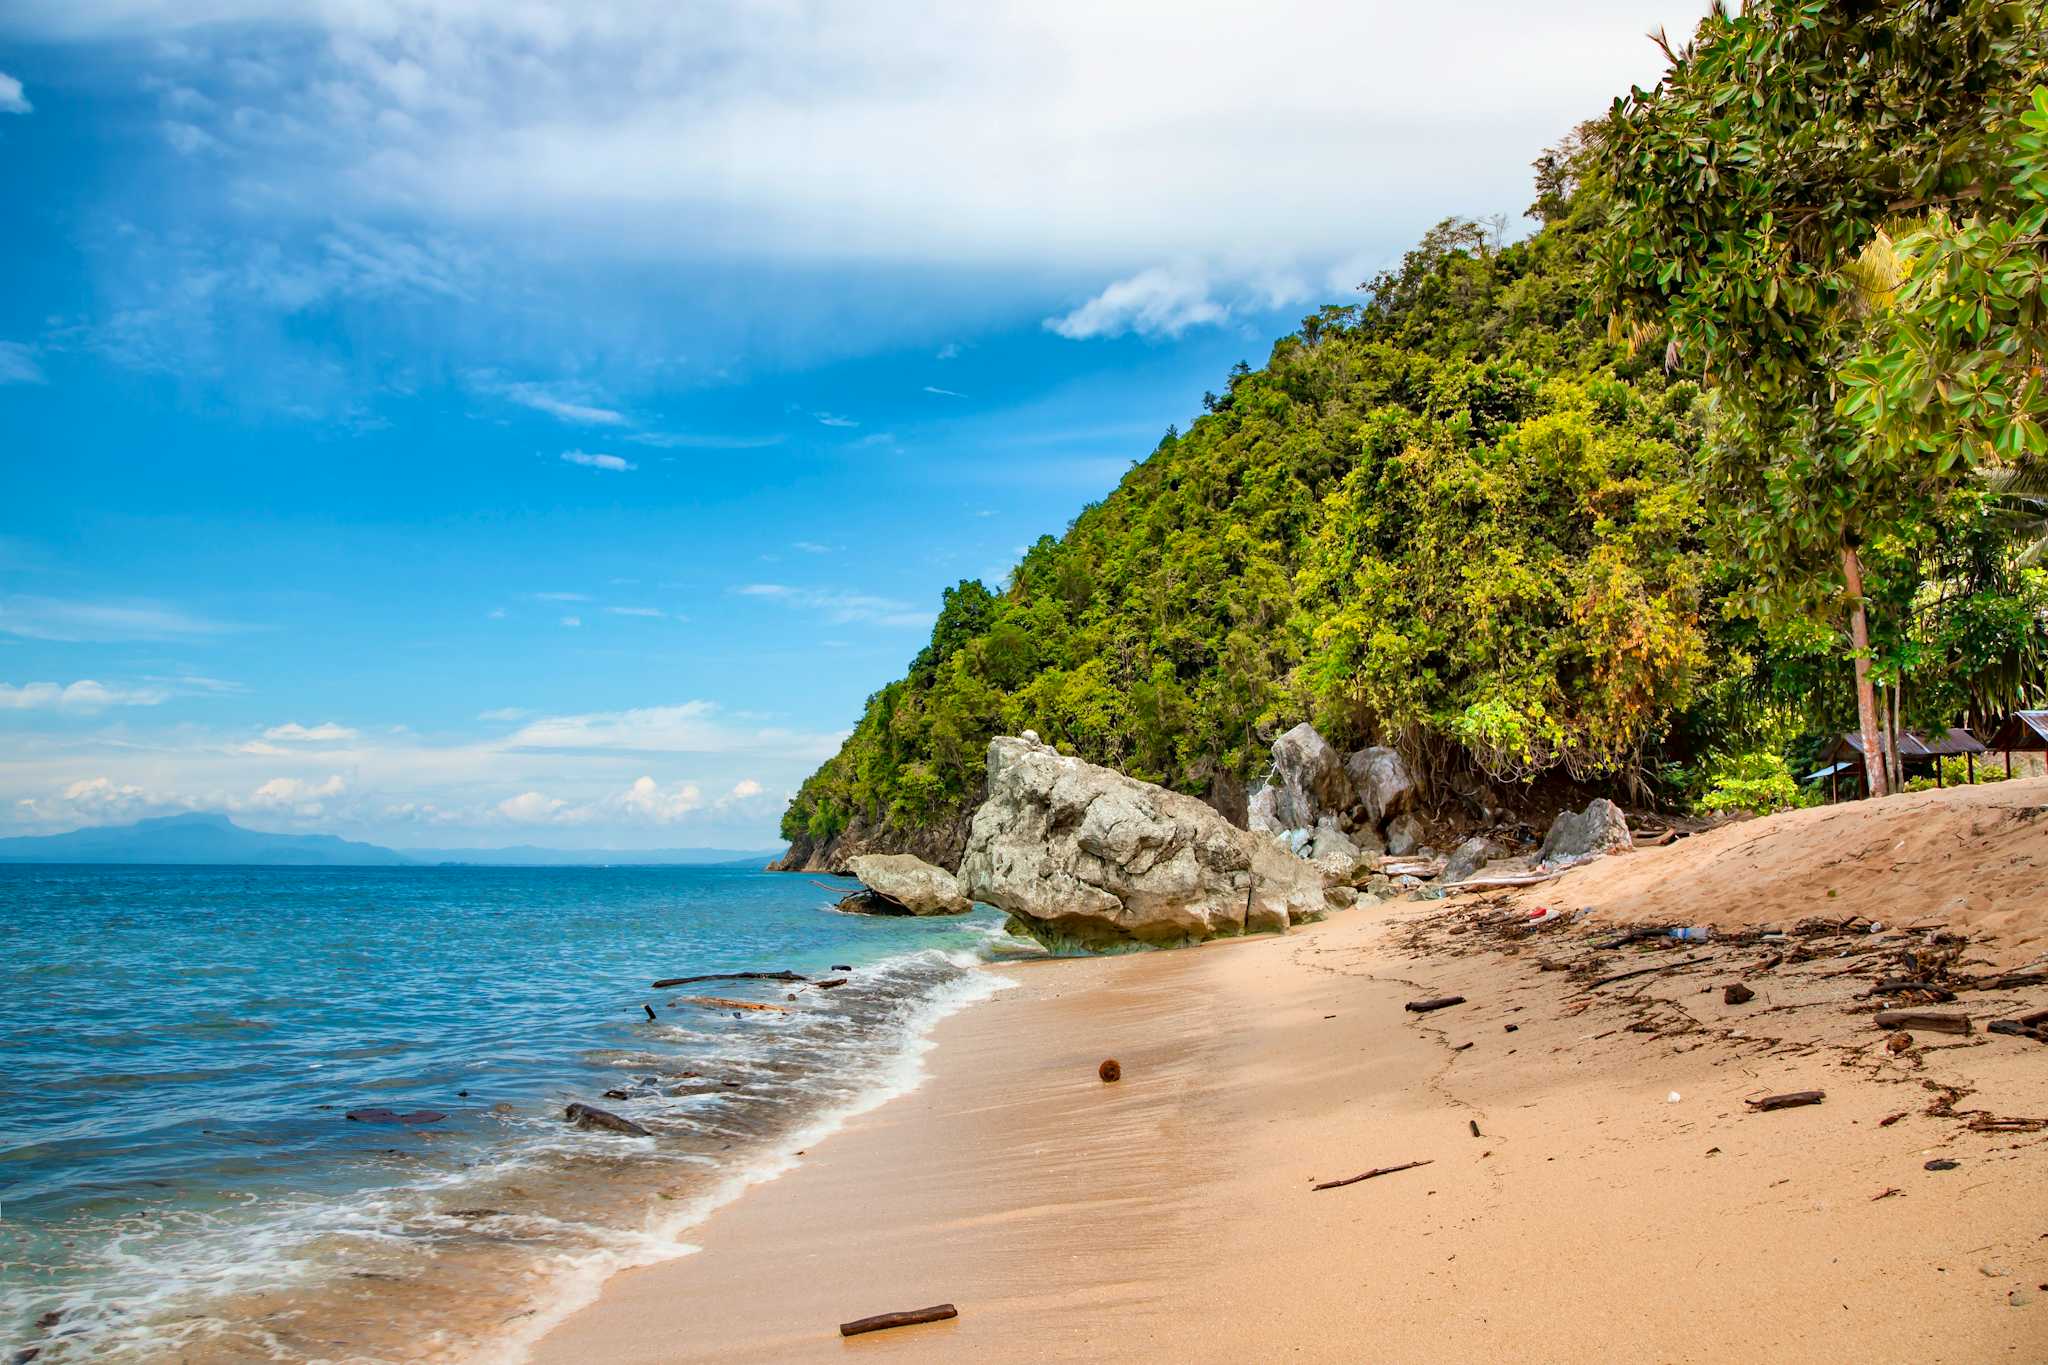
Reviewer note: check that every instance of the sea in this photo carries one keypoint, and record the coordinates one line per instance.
(181, 1047)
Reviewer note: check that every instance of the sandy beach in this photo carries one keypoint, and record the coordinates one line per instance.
(1597, 1188)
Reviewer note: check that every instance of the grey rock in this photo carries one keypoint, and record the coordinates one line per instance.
(1335, 855)
(1382, 782)
(590, 1116)
(1082, 856)
(1469, 856)
(1580, 836)
(1308, 779)
(1262, 811)
(910, 885)
(1404, 835)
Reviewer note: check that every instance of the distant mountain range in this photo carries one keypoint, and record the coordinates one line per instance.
(215, 839)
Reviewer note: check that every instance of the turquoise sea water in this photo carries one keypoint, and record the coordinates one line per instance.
(179, 1046)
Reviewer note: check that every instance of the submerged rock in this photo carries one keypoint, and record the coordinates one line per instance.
(1084, 856)
(905, 885)
(1581, 836)
(590, 1116)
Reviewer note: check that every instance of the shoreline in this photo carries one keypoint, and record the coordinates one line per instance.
(1171, 1214)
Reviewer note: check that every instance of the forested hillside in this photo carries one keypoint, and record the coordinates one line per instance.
(1470, 517)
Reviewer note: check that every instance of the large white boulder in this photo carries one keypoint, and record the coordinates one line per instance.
(1083, 856)
(908, 884)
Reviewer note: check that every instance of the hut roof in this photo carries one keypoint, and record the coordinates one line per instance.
(2023, 732)
(1953, 742)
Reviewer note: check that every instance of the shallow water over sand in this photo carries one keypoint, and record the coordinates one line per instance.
(182, 1044)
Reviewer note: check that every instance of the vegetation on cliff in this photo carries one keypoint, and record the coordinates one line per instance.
(1473, 517)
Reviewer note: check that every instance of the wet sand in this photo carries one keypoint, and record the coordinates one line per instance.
(1171, 1215)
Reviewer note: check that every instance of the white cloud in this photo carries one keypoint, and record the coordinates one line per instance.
(840, 606)
(505, 713)
(648, 800)
(189, 139)
(1162, 301)
(1063, 131)
(573, 404)
(598, 461)
(292, 732)
(652, 612)
(949, 351)
(298, 796)
(572, 621)
(561, 597)
(83, 695)
(102, 800)
(12, 100)
(531, 808)
(580, 773)
(831, 419)
(18, 365)
(690, 727)
(45, 618)
(943, 393)
(811, 547)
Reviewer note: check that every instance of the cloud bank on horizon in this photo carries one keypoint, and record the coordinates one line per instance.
(389, 367)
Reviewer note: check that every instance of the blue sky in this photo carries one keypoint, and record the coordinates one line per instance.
(446, 423)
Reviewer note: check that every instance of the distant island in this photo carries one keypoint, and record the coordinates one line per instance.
(213, 839)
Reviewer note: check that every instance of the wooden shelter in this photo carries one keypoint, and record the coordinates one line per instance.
(1918, 749)
(2024, 732)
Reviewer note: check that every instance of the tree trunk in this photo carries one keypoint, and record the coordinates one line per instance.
(1874, 775)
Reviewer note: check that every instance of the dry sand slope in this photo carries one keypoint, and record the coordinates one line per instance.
(1572, 1208)
(1975, 858)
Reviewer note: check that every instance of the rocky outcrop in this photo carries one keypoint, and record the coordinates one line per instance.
(1383, 785)
(1580, 836)
(1308, 780)
(939, 843)
(1085, 856)
(904, 885)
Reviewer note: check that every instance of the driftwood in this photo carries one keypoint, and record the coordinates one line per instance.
(829, 982)
(835, 890)
(1647, 971)
(1793, 1100)
(1440, 1002)
(1496, 883)
(882, 1322)
(2017, 1029)
(1370, 1175)
(1409, 867)
(668, 981)
(650, 1012)
(717, 1002)
(1924, 1020)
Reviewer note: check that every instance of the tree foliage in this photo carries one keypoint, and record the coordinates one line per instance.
(1473, 517)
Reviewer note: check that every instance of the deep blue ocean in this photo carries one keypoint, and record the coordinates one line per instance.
(179, 1048)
